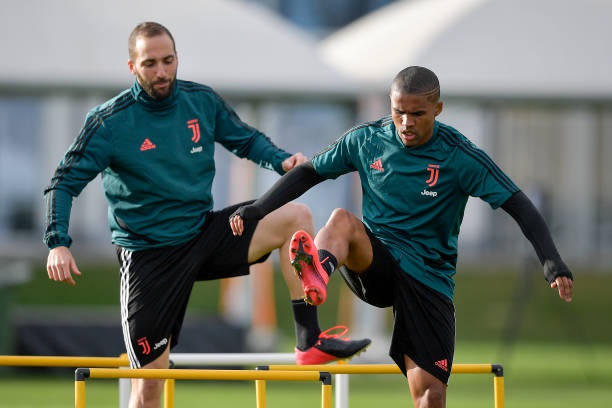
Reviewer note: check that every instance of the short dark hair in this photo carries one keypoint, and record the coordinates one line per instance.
(417, 80)
(147, 29)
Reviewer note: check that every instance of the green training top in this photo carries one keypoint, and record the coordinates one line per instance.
(414, 197)
(157, 164)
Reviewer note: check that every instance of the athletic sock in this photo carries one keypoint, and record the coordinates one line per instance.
(306, 320)
(328, 261)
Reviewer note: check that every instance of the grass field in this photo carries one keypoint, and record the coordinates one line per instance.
(536, 375)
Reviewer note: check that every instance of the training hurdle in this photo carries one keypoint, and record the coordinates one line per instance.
(81, 374)
(342, 398)
(273, 361)
(177, 360)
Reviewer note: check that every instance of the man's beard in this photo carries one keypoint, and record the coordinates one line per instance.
(157, 94)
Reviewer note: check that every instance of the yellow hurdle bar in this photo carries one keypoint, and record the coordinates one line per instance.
(495, 369)
(63, 361)
(81, 374)
(376, 368)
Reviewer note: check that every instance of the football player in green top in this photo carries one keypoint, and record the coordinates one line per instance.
(416, 177)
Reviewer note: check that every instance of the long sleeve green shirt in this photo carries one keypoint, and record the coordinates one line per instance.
(414, 197)
(157, 164)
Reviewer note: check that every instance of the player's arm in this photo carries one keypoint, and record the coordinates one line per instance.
(534, 227)
(287, 188)
(247, 142)
(87, 156)
(60, 262)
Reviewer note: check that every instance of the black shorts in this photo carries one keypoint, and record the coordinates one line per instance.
(156, 283)
(424, 320)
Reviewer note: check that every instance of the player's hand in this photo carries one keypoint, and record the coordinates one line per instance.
(61, 265)
(236, 224)
(246, 212)
(565, 286)
(559, 276)
(295, 160)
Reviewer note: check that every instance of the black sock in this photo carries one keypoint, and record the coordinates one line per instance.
(328, 261)
(306, 320)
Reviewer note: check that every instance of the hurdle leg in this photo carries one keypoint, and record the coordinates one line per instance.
(80, 375)
(169, 393)
(326, 396)
(326, 389)
(498, 391)
(260, 393)
(79, 394)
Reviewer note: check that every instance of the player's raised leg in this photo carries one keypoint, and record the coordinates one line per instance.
(274, 232)
(342, 241)
(312, 345)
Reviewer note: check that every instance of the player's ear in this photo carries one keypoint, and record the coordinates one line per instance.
(438, 108)
(131, 66)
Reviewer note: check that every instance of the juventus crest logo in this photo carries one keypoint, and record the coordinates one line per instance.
(195, 129)
(144, 343)
(434, 171)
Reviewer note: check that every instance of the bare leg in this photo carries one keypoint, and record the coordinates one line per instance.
(146, 393)
(427, 391)
(345, 236)
(275, 231)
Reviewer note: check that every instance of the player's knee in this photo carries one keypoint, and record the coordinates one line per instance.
(146, 392)
(340, 218)
(435, 397)
(301, 215)
(430, 397)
